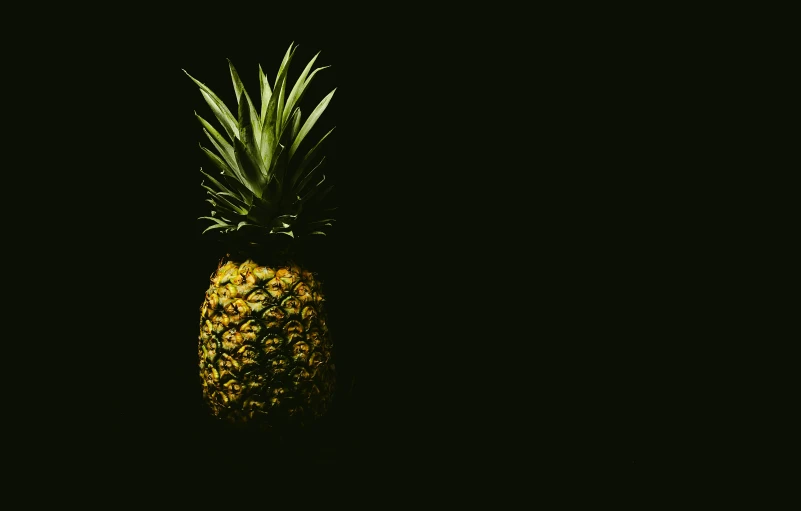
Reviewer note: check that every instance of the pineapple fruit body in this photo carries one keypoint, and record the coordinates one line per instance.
(265, 351)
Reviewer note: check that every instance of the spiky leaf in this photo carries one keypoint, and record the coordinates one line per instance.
(270, 129)
(251, 167)
(308, 159)
(300, 87)
(226, 202)
(217, 106)
(265, 92)
(215, 226)
(242, 95)
(310, 122)
(234, 172)
(309, 176)
(294, 123)
(223, 147)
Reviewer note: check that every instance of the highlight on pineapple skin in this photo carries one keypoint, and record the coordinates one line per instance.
(265, 351)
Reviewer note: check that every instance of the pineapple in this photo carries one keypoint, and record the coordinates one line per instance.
(265, 351)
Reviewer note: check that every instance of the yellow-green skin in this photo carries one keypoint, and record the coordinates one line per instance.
(265, 351)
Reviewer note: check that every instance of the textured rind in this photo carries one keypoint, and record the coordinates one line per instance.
(265, 351)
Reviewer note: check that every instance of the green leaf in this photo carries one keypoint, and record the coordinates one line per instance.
(310, 156)
(255, 122)
(234, 172)
(216, 183)
(254, 173)
(309, 124)
(223, 147)
(215, 219)
(228, 124)
(267, 143)
(263, 205)
(307, 178)
(269, 130)
(239, 88)
(235, 203)
(233, 183)
(222, 201)
(280, 87)
(219, 163)
(295, 124)
(278, 168)
(282, 221)
(314, 191)
(288, 233)
(235, 197)
(245, 126)
(231, 168)
(216, 226)
(311, 192)
(298, 88)
(265, 91)
(218, 107)
(223, 207)
(279, 112)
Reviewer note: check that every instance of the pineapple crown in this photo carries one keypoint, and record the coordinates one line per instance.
(265, 186)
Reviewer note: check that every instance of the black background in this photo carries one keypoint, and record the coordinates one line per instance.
(472, 275)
